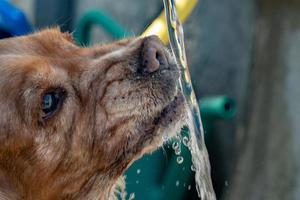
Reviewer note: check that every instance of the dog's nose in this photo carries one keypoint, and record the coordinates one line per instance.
(153, 55)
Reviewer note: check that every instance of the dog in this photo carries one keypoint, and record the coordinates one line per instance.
(74, 118)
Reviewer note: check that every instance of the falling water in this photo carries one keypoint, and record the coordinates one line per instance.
(197, 147)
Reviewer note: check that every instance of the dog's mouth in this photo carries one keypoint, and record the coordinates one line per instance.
(163, 125)
(172, 112)
(167, 123)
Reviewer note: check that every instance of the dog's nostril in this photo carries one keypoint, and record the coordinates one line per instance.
(153, 55)
(157, 55)
(161, 57)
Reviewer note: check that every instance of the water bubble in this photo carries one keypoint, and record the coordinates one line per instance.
(177, 183)
(186, 141)
(189, 187)
(175, 145)
(180, 159)
(193, 168)
(184, 184)
(137, 182)
(177, 151)
(176, 148)
(165, 138)
(226, 183)
(131, 196)
(138, 171)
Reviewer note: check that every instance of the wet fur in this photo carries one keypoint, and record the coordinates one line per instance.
(110, 117)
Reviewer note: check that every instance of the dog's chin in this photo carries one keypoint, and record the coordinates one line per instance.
(167, 123)
(172, 114)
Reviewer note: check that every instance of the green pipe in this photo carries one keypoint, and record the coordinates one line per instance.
(217, 107)
(101, 18)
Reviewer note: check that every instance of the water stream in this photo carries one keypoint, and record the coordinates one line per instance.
(197, 146)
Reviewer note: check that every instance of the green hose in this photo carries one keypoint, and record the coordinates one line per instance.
(101, 18)
(217, 107)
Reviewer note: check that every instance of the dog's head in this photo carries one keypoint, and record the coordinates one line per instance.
(70, 115)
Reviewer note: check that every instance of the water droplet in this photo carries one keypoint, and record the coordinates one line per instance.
(193, 168)
(131, 196)
(186, 141)
(175, 145)
(138, 171)
(226, 183)
(189, 187)
(177, 183)
(165, 138)
(177, 151)
(180, 159)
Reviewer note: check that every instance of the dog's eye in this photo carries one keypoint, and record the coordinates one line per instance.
(51, 102)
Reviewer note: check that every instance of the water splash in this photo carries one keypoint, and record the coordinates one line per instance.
(175, 145)
(193, 168)
(179, 159)
(131, 196)
(186, 141)
(197, 147)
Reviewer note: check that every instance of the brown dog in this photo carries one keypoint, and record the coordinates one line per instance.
(73, 119)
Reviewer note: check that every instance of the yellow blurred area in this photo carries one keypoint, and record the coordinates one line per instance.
(158, 26)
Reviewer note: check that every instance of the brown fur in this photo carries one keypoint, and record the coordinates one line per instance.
(110, 117)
